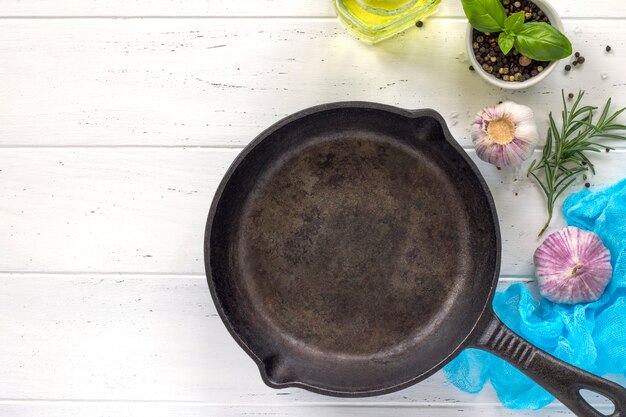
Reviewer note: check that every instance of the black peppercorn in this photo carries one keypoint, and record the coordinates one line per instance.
(570, 96)
(512, 66)
(568, 67)
(419, 23)
(587, 185)
(608, 48)
(577, 54)
(581, 60)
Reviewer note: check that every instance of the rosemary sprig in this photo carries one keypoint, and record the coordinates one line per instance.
(563, 158)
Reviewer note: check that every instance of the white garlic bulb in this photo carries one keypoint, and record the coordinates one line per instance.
(506, 134)
(572, 266)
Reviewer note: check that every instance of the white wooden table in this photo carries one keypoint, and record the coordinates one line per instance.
(118, 119)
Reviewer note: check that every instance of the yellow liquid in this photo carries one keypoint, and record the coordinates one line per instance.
(375, 20)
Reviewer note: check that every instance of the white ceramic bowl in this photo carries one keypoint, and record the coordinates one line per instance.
(555, 20)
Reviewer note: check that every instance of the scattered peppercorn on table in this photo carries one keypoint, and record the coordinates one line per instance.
(118, 120)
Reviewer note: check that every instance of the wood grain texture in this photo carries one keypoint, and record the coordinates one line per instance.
(448, 8)
(166, 409)
(114, 134)
(144, 210)
(95, 343)
(219, 82)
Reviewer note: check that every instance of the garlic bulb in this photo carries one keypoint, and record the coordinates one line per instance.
(572, 266)
(506, 134)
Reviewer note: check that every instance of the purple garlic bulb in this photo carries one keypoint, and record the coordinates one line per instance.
(572, 266)
(505, 134)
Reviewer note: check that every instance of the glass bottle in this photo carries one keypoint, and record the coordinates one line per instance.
(375, 20)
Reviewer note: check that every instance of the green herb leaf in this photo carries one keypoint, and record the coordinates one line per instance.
(485, 15)
(515, 22)
(563, 159)
(542, 42)
(506, 42)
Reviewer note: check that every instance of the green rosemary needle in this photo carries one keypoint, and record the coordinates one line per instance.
(563, 158)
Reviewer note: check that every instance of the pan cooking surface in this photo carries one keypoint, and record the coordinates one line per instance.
(352, 250)
(352, 246)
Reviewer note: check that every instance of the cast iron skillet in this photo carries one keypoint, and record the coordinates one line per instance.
(353, 250)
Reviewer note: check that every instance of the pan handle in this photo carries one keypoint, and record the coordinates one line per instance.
(559, 378)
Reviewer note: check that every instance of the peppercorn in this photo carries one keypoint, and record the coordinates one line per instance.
(577, 54)
(471, 68)
(587, 185)
(568, 67)
(581, 60)
(608, 48)
(570, 96)
(514, 65)
(419, 23)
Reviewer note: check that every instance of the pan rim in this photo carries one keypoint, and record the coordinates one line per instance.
(365, 105)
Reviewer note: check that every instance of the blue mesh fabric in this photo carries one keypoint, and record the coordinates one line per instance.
(590, 336)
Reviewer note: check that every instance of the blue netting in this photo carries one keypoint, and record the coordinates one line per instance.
(590, 336)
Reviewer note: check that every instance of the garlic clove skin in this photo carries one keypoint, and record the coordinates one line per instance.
(572, 266)
(506, 134)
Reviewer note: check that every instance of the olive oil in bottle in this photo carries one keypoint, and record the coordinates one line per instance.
(375, 20)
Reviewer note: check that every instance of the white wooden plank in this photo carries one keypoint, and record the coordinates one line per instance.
(141, 343)
(567, 8)
(144, 209)
(125, 338)
(219, 82)
(160, 409)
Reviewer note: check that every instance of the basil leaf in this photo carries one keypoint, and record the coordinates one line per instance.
(485, 15)
(515, 22)
(542, 42)
(506, 42)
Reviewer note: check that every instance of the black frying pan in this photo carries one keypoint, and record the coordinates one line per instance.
(353, 249)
